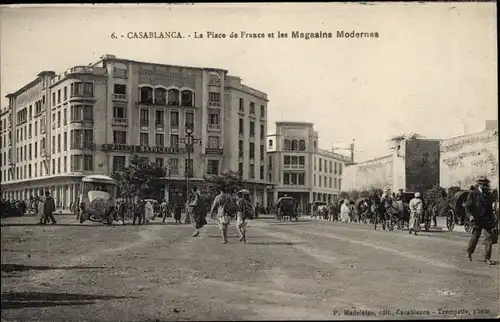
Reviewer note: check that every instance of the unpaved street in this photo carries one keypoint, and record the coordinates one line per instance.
(306, 270)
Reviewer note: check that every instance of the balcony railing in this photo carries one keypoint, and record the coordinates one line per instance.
(214, 151)
(87, 70)
(240, 154)
(214, 127)
(82, 145)
(120, 121)
(81, 94)
(294, 166)
(120, 97)
(213, 103)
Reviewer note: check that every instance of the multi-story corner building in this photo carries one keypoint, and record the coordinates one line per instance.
(298, 168)
(92, 119)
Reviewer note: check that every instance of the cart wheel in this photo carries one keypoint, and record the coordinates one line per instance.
(450, 220)
(467, 227)
(427, 222)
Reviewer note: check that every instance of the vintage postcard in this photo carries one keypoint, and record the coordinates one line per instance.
(249, 161)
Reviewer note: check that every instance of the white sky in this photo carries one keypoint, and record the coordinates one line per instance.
(433, 64)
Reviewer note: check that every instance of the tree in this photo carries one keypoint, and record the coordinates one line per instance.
(397, 139)
(140, 178)
(437, 196)
(354, 195)
(343, 195)
(210, 186)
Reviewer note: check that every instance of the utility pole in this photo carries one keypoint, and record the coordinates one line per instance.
(189, 141)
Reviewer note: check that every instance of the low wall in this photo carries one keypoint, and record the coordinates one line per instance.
(365, 175)
(465, 158)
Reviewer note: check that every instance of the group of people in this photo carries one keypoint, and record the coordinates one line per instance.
(43, 206)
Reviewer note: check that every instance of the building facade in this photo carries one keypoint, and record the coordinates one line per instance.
(92, 119)
(299, 168)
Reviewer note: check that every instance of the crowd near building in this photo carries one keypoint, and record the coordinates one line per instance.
(91, 119)
(299, 168)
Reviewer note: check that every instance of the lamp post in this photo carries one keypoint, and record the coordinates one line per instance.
(189, 141)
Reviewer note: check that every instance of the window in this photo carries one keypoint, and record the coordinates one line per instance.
(159, 140)
(213, 167)
(252, 150)
(53, 166)
(118, 163)
(30, 112)
(188, 167)
(58, 118)
(144, 139)
(65, 164)
(240, 148)
(29, 131)
(173, 97)
(82, 89)
(36, 128)
(252, 108)
(286, 178)
(187, 98)
(320, 165)
(262, 111)
(65, 143)
(252, 129)
(120, 89)
(65, 92)
(302, 180)
(54, 99)
(119, 111)
(174, 119)
(241, 127)
(213, 99)
(159, 162)
(270, 162)
(36, 150)
(160, 118)
(240, 169)
(340, 184)
(81, 113)
(286, 144)
(30, 156)
(160, 96)
(302, 145)
(262, 152)
(261, 172)
(146, 95)
(252, 171)
(58, 165)
(213, 118)
(325, 181)
(270, 143)
(53, 144)
(174, 140)
(340, 169)
(58, 143)
(315, 164)
(319, 181)
(120, 137)
(242, 106)
(58, 96)
(335, 183)
(173, 165)
(144, 117)
(65, 116)
(189, 119)
(330, 182)
(213, 142)
(42, 145)
(335, 167)
(262, 132)
(294, 145)
(82, 139)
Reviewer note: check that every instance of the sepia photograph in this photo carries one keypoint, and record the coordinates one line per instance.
(249, 161)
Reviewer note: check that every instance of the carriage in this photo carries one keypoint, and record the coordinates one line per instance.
(286, 209)
(316, 209)
(455, 214)
(363, 209)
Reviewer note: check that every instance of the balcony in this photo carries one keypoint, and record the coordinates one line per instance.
(214, 151)
(294, 166)
(214, 127)
(214, 104)
(146, 103)
(120, 121)
(87, 70)
(82, 95)
(240, 154)
(83, 146)
(42, 129)
(159, 127)
(120, 97)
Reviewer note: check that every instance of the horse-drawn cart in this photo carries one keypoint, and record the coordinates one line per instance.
(455, 214)
(286, 209)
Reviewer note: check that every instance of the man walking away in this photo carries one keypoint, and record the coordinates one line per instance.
(245, 211)
(49, 206)
(196, 211)
(479, 209)
(223, 206)
(164, 210)
(416, 211)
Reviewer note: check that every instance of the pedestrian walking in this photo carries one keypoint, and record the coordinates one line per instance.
(224, 206)
(479, 209)
(164, 210)
(196, 211)
(49, 207)
(177, 213)
(345, 211)
(416, 211)
(138, 212)
(245, 212)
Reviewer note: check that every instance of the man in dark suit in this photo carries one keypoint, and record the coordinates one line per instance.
(479, 209)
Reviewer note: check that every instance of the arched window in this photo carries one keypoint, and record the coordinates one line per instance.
(160, 96)
(302, 145)
(294, 145)
(187, 98)
(173, 97)
(286, 145)
(146, 95)
(314, 144)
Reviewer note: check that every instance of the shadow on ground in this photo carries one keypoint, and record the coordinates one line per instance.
(7, 268)
(17, 300)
